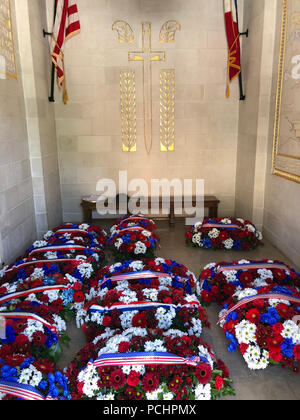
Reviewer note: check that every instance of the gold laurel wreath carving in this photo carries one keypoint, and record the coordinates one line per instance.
(128, 110)
(167, 110)
(124, 30)
(168, 31)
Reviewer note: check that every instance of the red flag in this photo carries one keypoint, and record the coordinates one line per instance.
(233, 38)
(66, 25)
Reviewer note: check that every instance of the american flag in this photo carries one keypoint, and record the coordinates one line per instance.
(66, 25)
(233, 38)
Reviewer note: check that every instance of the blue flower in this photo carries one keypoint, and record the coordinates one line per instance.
(287, 347)
(206, 243)
(271, 317)
(9, 334)
(231, 347)
(43, 385)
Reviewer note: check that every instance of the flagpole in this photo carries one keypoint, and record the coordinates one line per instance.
(242, 95)
(51, 97)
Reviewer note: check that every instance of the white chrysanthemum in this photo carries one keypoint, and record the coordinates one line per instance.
(290, 330)
(126, 319)
(203, 392)
(118, 243)
(228, 243)
(86, 270)
(256, 358)
(140, 248)
(196, 239)
(245, 332)
(248, 292)
(151, 294)
(159, 261)
(231, 276)
(59, 323)
(39, 244)
(226, 221)
(214, 233)
(128, 296)
(84, 226)
(274, 302)
(137, 265)
(265, 274)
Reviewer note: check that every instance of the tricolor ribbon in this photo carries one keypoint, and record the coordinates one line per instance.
(41, 289)
(139, 275)
(133, 219)
(59, 248)
(126, 231)
(143, 359)
(36, 262)
(252, 266)
(83, 232)
(222, 226)
(27, 316)
(26, 392)
(140, 306)
(250, 299)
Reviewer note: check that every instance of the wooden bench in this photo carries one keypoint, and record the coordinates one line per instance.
(210, 202)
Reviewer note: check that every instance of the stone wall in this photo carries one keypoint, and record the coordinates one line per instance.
(89, 127)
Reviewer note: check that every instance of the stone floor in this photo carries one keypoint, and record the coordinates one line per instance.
(273, 383)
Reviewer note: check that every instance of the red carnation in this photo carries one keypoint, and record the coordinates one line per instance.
(219, 383)
(78, 297)
(133, 378)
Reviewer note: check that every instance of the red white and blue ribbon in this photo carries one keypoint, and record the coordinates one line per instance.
(140, 306)
(133, 219)
(41, 289)
(222, 226)
(143, 359)
(140, 275)
(252, 266)
(37, 262)
(83, 232)
(54, 248)
(245, 301)
(126, 231)
(26, 392)
(28, 316)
